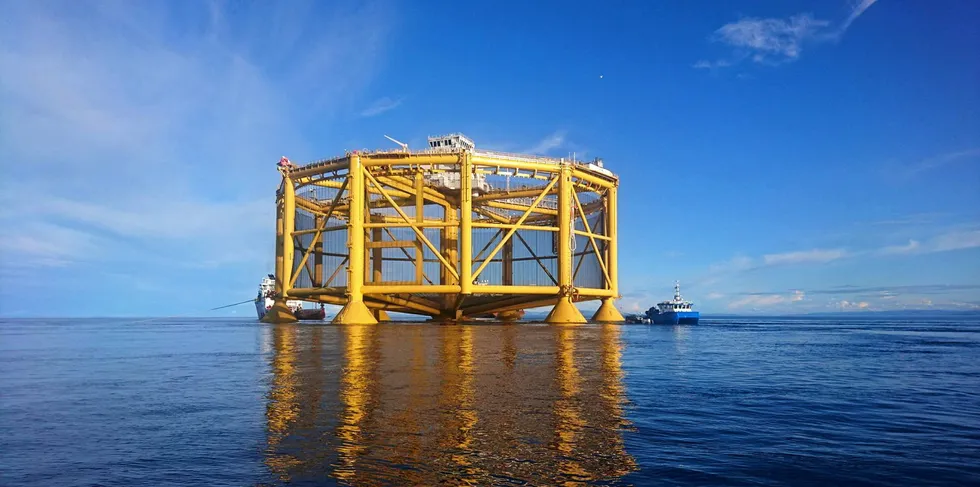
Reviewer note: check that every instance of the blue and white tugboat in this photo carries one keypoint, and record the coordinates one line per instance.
(673, 312)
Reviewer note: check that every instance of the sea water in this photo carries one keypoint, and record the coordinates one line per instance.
(725, 402)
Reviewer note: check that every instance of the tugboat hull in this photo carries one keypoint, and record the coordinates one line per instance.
(682, 318)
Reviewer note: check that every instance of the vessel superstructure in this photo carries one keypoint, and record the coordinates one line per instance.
(266, 298)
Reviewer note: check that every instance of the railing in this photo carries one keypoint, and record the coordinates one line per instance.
(528, 201)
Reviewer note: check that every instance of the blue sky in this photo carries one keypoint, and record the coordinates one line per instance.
(775, 156)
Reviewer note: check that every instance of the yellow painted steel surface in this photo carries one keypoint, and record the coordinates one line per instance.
(451, 234)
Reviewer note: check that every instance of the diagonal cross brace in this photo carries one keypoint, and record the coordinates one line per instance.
(407, 255)
(585, 221)
(510, 233)
(412, 224)
(319, 232)
(536, 258)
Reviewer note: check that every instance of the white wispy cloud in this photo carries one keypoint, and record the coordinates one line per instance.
(735, 264)
(121, 138)
(950, 241)
(765, 300)
(908, 220)
(942, 160)
(856, 12)
(39, 244)
(857, 298)
(705, 64)
(744, 263)
(177, 219)
(804, 256)
(380, 106)
(955, 241)
(549, 143)
(758, 301)
(771, 40)
(908, 248)
(777, 40)
(846, 305)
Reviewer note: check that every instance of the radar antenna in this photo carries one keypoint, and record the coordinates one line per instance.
(402, 144)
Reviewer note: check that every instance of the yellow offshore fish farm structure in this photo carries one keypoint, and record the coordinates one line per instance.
(450, 232)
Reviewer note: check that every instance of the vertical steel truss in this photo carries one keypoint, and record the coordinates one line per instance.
(368, 188)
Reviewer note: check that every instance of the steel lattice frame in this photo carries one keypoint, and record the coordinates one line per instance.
(377, 232)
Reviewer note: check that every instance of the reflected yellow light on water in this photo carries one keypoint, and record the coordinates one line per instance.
(457, 405)
(613, 393)
(355, 384)
(569, 421)
(464, 397)
(281, 410)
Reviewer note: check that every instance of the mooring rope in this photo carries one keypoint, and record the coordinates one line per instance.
(252, 300)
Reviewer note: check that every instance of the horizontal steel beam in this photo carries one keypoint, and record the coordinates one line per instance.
(389, 244)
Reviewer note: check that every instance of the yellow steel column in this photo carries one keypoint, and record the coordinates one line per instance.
(285, 223)
(612, 232)
(279, 245)
(607, 311)
(565, 310)
(288, 225)
(448, 245)
(355, 312)
(377, 259)
(419, 219)
(465, 225)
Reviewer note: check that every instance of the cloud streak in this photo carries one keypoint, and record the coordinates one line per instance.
(757, 301)
(547, 144)
(804, 257)
(741, 263)
(942, 160)
(764, 300)
(946, 242)
(380, 106)
(855, 13)
(932, 289)
(912, 247)
(773, 41)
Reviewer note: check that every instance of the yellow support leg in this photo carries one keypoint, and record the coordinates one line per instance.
(565, 311)
(355, 312)
(607, 313)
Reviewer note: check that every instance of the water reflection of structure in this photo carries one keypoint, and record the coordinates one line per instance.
(422, 405)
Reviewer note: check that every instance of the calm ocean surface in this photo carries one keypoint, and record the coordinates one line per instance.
(726, 402)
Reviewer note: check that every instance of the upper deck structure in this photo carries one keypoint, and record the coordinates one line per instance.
(451, 232)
